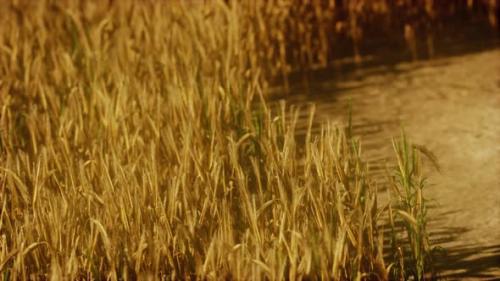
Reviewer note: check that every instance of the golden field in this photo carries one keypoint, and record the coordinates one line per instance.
(136, 142)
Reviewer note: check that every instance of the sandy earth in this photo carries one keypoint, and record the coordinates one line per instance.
(452, 106)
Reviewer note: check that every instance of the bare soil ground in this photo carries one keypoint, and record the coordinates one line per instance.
(452, 106)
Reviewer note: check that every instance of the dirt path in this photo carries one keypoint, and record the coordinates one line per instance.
(452, 106)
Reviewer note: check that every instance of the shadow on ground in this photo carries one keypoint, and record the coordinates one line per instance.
(464, 262)
(457, 262)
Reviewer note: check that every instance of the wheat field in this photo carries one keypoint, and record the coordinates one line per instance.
(136, 142)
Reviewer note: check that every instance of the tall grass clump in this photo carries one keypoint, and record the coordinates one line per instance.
(136, 143)
(409, 211)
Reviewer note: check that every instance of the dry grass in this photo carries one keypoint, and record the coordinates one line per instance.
(136, 143)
